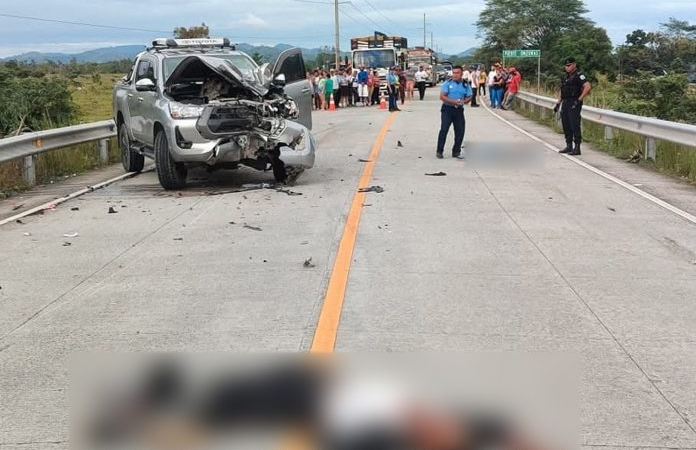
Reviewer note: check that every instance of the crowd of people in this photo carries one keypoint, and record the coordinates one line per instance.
(502, 83)
(361, 87)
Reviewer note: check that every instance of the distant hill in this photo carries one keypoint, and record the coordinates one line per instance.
(107, 54)
(468, 53)
(100, 55)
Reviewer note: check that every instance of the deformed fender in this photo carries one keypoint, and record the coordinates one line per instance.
(298, 146)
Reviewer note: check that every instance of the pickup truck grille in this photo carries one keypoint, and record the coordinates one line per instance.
(231, 118)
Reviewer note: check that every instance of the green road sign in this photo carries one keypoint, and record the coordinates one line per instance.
(521, 53)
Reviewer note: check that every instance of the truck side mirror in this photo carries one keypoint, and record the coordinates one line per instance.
(144, 85)
(279, 80)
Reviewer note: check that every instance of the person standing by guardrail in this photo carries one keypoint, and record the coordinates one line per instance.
(454, 93)
(574, 89)
(513, 87)
(489, 82)
(496, 89)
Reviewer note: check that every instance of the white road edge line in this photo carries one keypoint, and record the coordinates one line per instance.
(683, 214)
(64, 199)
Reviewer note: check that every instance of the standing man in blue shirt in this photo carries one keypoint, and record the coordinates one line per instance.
(454, 94)
(362, 85)
(392, 89)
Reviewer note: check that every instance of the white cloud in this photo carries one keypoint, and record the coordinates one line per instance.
(252, 21)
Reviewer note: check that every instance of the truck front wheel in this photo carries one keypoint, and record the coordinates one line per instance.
(171, 174)
(132, 161)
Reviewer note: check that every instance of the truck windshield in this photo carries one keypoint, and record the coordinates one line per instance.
(245, 65)
(374, 58)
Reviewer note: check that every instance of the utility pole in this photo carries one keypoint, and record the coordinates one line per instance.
(338, 43)
(424, 43)
(431, 39)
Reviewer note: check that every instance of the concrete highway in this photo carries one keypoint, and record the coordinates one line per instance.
(541, 254)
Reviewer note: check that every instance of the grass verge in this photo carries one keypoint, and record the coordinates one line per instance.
(92, 95)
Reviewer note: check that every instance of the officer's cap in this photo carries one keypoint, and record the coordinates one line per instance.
(569, 61)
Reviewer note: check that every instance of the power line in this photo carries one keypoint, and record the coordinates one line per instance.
(364, 15)
(67, 22)
(85, 24)
(380, 13)
(354, 19)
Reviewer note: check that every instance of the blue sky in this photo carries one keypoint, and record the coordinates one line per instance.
(307, 23)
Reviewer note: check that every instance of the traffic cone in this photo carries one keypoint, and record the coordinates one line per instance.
(332, 105)
(382, 102)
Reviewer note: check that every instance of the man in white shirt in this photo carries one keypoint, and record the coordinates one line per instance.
(473, 81)
(489, 83)
(421, 78)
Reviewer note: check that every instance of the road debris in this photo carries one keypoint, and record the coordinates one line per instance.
(27, 234)
(257, 186)
(232, 223)
(287, 191)
(399, 144)
(112, 210)
(74, 208)
(67, 244)
(16, 207)
(178, 239)
(436, 174)
(304, 243)
(19, 221)
(252, 227)
(71, 235)
(364, 160)
(611, 209)
(367, 204)
(377, 189)
(308, 263)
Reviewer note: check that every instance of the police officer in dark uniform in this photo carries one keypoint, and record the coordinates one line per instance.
(574, 89)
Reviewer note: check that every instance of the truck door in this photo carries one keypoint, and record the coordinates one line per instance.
(140, 103)
(291, 64)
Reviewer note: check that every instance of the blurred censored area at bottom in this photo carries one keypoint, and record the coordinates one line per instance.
(324, 402)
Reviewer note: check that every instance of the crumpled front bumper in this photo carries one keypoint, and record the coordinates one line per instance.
(297, 145)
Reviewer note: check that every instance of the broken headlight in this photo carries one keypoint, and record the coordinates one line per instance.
(179, 111)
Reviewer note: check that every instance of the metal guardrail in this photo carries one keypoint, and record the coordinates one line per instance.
(29, 145)
(652, 129)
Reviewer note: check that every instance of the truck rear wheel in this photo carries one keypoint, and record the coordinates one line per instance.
(171, 174)
(132, 161)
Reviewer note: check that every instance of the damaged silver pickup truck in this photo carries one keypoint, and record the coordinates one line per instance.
(201, 103)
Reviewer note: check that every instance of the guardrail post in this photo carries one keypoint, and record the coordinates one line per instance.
(542, 112)
(104, 151)
(608, 133)
(29, 171)
(650, 148)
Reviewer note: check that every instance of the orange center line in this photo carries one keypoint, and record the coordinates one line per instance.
(329, 318)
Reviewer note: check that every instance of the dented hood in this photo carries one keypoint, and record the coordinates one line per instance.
(192, 66)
